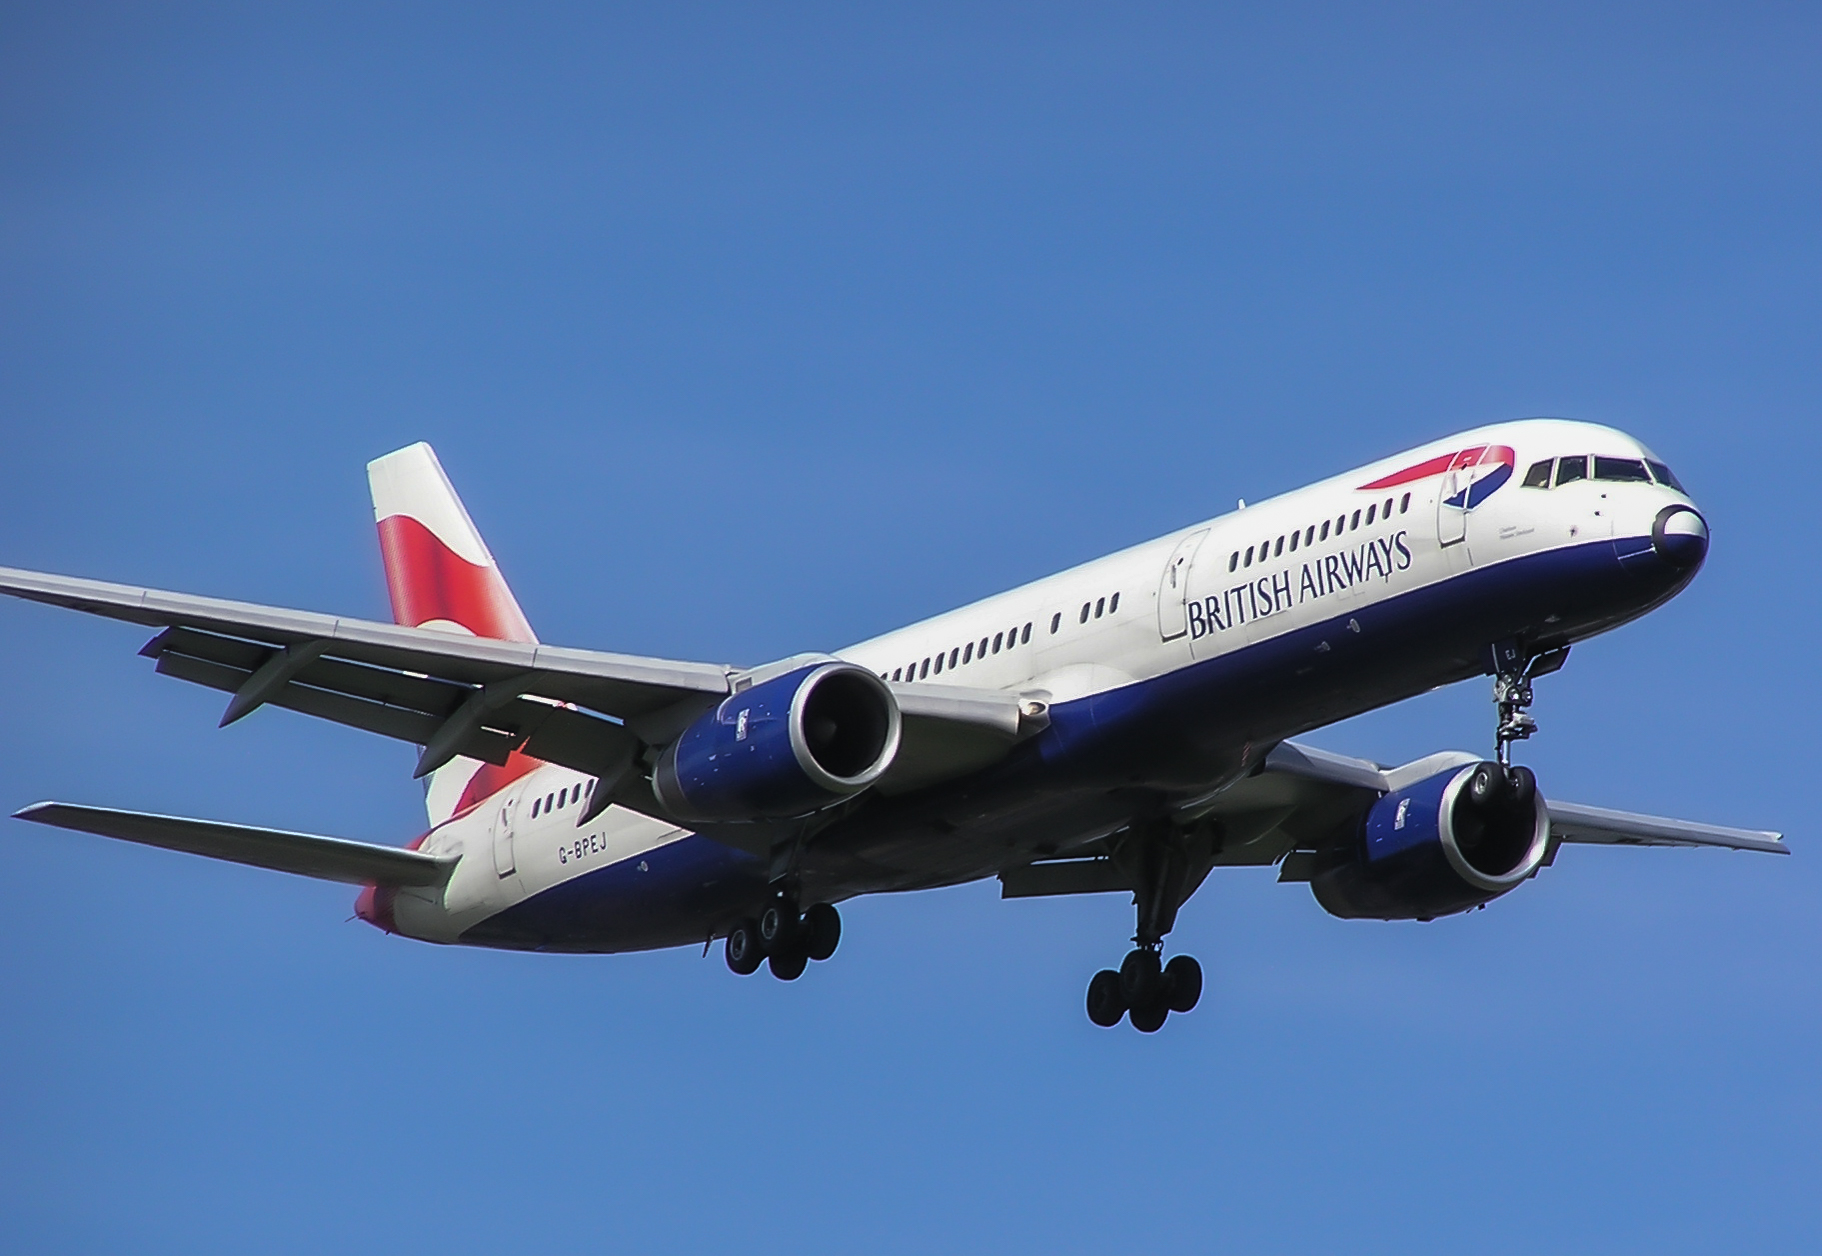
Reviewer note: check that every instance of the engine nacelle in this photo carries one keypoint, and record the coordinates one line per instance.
(1432, 849)
(785, 747)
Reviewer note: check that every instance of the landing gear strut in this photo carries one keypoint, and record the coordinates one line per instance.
(1513, 671)
(1165, 864)
(784, 938)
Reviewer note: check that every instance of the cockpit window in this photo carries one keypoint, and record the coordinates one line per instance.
(1539, 475)
(1627, 470)
(1661, 474)
(1575, 468)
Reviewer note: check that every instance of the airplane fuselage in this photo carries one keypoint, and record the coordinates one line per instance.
(1168, 671)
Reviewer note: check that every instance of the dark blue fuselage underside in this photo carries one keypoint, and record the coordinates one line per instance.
(1110, 757)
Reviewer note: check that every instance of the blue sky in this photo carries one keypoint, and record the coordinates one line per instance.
(746, 331)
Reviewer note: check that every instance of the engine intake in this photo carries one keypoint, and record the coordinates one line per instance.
(788, 746)
(1448, 843)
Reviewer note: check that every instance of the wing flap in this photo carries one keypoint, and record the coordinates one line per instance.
(304, 854)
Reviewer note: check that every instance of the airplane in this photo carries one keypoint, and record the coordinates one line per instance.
(1122, 727)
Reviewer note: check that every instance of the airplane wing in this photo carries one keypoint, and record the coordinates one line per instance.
(326, 858)
(1569, 821)
(482, 698)
(1304, 797)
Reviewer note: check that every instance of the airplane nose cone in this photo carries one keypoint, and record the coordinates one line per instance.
(1680, 536)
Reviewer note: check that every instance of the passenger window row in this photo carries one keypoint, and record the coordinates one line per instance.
(1306, 537)
(560, 799)
(1618, 470)
(962, 655)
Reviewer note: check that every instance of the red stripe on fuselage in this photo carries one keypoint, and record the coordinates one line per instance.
(427, 581)
(1444, 462)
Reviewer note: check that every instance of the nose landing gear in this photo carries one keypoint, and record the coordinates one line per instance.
(1165, 864)
(1514, 670)
(784, 938)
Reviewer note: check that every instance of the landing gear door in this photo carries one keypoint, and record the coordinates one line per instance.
(504, 814)
(1173, 587)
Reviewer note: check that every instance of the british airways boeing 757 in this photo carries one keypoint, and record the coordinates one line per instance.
(1123, 726)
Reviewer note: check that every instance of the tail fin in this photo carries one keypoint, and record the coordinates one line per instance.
(438, 568)
(441, 575)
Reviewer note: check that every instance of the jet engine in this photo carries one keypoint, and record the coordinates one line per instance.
(1447, 843)
(788, 746)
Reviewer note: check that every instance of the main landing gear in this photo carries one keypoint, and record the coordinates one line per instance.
(784, 938)
(1165, 864)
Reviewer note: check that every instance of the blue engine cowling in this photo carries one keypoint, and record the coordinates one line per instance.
(1429, 850)
(789, 746)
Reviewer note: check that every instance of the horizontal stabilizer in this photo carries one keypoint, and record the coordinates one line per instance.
(327, 858)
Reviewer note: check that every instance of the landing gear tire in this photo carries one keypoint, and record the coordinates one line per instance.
(788, 965)
(1141, 975)
(744, 951)
(1182, 983)
(1150, 1018)
(1521, 788)
(1106, 1004)
(777, 926)
(1488, 787)
(821, 931)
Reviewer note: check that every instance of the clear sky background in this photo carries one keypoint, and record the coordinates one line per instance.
(754, 329)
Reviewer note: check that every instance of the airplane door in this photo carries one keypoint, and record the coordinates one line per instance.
(1173, 587)
(502, 835)
(1452, 499)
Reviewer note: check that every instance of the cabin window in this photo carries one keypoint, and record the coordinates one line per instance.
(1341, 525)
(1356, 522)
(536, 803)
(1569, 469)
(1385, 512)
(1370, 510)
(1100, 606)
(1233, 560)
(1113, 603)
(1661, 474)
(1309, 537)
(1279, 548)
(1625, 470)
(1404, 503)
(1085, 609)
(1296, 539)
(1056, 621)
(955, 656)
(938, 669)
(968, 653)
(1325, 530)
(996, 643)
(924, 670)
(548, 799)
(1249, 556)
(1025, 635)
(898, 673)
